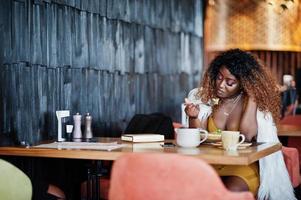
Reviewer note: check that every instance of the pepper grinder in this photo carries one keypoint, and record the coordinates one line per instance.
(77, 132)
(88, 126)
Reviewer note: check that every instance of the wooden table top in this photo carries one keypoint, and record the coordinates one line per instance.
(289, 130)
(207, 152)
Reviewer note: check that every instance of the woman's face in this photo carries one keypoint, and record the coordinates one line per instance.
(226, 83)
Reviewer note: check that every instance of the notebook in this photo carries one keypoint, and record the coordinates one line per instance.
(142, 137)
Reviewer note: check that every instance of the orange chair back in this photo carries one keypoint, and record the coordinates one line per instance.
(169, 176)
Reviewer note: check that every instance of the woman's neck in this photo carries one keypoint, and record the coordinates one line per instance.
(233, 98)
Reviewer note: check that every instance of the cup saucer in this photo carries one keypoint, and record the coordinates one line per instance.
(241, 146)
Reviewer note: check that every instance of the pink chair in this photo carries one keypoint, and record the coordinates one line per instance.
(291, 159)
(167, 176)
(176, 125)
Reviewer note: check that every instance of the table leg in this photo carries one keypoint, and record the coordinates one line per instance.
(93, 180)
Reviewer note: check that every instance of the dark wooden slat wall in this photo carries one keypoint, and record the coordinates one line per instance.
(280, 62)
(112, 58)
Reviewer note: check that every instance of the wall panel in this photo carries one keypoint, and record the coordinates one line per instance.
(112, 58)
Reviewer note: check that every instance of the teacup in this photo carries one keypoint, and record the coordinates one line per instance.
(230, 140)
(190, 137)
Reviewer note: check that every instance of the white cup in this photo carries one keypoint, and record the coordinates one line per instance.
(190, 137)
(287, 79)
(230, 140)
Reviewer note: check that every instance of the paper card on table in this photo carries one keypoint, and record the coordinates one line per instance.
(82, 145)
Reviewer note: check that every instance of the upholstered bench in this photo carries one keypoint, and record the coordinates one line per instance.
(291, 158)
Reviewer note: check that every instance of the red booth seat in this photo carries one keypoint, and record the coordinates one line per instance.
(294, 142)
(291, 159)
(291, 120)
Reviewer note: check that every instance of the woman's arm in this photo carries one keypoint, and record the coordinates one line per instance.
(248, 123)
(194, 123)
(197, 123)
(192, 111)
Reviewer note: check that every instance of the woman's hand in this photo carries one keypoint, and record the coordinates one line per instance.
(192, 110)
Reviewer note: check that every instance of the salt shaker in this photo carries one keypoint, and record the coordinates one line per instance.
(88, 126)
(77, 132)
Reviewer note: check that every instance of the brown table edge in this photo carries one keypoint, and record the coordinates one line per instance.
(113, 155)
(277, 147)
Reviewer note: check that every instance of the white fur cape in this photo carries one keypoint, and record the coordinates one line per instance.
(275, 183)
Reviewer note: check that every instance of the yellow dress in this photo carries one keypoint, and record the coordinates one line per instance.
(250, 173)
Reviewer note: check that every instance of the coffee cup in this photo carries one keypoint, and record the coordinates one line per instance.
(230, 140)
(190, 137)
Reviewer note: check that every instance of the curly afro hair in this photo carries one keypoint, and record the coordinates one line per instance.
(256, 80)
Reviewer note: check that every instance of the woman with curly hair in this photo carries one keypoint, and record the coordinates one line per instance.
(239, 94)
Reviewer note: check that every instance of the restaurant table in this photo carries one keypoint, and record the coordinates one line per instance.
(211, 154)
(289, 130)
(207, 152)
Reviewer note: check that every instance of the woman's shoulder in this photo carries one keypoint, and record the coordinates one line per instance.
(195, 97)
